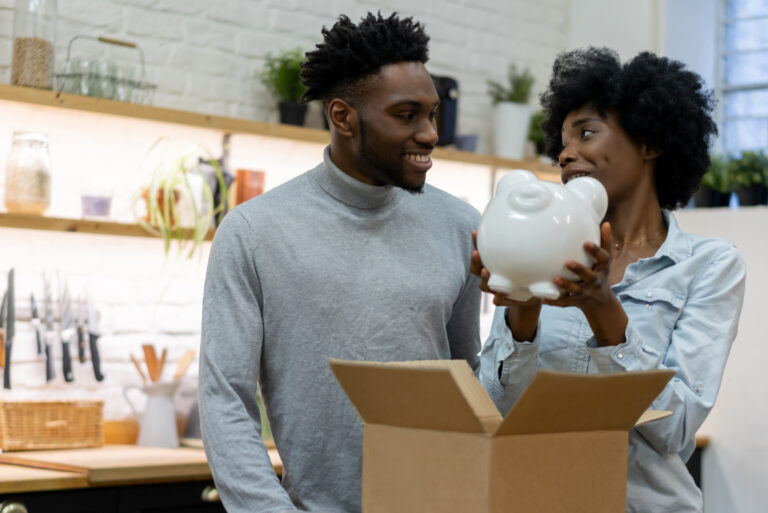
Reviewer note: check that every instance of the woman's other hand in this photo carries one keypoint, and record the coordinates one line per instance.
(523, 316)
(592, 292)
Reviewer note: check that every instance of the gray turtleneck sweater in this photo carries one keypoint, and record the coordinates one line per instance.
(322, 267)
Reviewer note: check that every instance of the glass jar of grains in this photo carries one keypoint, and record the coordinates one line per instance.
(28, 174)
(34, 29)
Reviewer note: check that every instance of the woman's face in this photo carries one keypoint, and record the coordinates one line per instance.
(597, 146)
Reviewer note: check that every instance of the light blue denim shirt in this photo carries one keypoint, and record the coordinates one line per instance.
(683, 306)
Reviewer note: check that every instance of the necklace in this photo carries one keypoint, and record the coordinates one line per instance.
(618, 245)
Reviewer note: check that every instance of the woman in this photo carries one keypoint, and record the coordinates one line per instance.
(656, 297)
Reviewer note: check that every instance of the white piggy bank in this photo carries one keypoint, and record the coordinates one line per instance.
(531, 228)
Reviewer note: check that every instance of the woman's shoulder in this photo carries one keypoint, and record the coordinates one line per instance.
(712, 248)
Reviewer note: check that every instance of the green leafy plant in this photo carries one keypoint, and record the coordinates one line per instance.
(282, 75)
(716, 177)
(518, 90)
(751, 168)
(535, 133)
(170, 198)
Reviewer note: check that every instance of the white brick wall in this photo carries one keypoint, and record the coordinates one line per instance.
(206, 56)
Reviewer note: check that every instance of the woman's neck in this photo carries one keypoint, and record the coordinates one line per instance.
(637, 231)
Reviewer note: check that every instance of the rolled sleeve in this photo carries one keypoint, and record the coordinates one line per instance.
(518, 360)
(630, 355)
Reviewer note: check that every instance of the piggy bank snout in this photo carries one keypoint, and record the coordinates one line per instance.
(529, 197)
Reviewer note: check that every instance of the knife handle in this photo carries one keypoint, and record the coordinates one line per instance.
(50, 339)
(49, 372)
(66, 360)
(36, 325)
(7, 368)
(95, 358)
(80, 344)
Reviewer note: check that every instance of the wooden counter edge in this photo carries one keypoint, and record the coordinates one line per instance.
(28, 479)
(44, 476)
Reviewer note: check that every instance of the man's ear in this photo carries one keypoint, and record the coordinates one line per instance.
(342, 117)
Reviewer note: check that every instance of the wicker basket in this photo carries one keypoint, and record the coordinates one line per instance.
(71, 424)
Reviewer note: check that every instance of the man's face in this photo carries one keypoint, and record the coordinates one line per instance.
(396, 116)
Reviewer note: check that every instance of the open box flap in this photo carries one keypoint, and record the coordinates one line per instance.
(558, 402)
(441, 394)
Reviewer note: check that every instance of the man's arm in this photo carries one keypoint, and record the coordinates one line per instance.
(230, 358)
(464, 325)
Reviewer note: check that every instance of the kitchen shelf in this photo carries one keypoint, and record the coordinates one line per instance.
(60, 224)
(234, 125)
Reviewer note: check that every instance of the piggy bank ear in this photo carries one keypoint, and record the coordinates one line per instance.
(513, 178)
(591, 191)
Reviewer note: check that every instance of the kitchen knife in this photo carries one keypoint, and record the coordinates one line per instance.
(93, 338)
(66, 331)
(10, 322)
(80, 323)
(35, 319)
(50, 335)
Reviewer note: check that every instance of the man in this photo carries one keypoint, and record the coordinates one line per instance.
(355, 259)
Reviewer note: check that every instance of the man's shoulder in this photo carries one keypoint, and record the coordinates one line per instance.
(449, 206)
(279, 198)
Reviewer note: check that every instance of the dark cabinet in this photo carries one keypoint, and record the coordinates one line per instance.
(167, 498)
(91, 500)
(186, 497)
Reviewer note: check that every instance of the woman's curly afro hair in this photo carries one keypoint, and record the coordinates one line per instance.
(350, 53)
(655, 99)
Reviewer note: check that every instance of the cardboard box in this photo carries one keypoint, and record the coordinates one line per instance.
(433, 440)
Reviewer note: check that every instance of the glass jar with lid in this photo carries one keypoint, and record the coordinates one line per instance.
(34, 30)
(28, 174)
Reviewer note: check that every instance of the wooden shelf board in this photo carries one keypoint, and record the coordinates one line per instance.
(232, 125)
(60, 224)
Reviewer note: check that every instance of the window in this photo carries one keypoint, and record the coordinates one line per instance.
(744, 75)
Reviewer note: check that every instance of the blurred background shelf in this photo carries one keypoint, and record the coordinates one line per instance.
(60, 224)
(234, 125)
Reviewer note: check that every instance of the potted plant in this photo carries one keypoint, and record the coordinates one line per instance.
(282, 76)
(747, 173)
(177, 199)
(715, 189)
(512, 114)
(535, 132)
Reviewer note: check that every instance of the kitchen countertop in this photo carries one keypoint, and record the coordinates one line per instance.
(16, 479)
(26, 471)
(33, 471)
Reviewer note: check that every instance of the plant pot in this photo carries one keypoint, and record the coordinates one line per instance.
(511, 124)
(160, 198)
(292, 113)
(754, 194)
(705, 197)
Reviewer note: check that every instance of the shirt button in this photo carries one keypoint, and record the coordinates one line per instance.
(619, 355)
(509, 346)
(648, 306)
(650, 294)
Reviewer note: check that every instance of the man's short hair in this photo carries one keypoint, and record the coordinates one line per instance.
(351, 53)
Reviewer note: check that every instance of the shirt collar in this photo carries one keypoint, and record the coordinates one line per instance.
(351, 191)
(677, 245)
